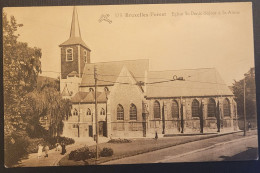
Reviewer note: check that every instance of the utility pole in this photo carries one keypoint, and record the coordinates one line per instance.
(182, 123)
(245, 106)
(79, 113)
(96, 115)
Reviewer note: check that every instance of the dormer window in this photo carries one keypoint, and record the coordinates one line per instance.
(85, 56)
(69, 54)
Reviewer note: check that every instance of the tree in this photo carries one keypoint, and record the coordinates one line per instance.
(58, 109)
(25, 102)
(20, 70)
(238, 90)
(46, 101)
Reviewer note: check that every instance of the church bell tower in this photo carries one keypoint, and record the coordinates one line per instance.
(74, 55)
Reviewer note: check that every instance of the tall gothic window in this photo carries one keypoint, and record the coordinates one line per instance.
(120, 112)
(69, 54)
(195, 108)
(211, 108)
(88, 112)
(156, 109)
(226, 107)
(175, 109)
(133, 112)
(102, 112)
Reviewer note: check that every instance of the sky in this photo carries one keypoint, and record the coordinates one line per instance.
(171, 36)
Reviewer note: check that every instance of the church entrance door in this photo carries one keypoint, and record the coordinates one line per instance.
(90, 131)
(102, 128)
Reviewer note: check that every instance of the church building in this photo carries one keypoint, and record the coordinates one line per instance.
(133, 101)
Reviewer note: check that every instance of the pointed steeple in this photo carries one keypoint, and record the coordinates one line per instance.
(75, 35)
(75, 29)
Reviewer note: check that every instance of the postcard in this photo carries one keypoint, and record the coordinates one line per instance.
(129, 84)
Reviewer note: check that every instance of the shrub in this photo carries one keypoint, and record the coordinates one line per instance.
(53, 140)
(65, 140)
(15, 148)
(81, 154)
(119, 141)
(106, 152)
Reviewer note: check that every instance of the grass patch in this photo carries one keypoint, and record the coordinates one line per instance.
(136, 146)
(140, 146)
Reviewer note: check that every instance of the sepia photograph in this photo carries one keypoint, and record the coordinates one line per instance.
(129, 84)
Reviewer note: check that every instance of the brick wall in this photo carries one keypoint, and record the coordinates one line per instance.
(69, 66)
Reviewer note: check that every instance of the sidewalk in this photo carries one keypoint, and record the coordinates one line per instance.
(54, 156)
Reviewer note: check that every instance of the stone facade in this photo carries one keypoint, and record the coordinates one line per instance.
(191, 124)
(136, 102)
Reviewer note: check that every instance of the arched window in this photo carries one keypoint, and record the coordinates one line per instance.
(91, 89)
(156, 109)
(226, 107)
(69, 54)
(120, 112)
(211, 108)
(85, 56)
(133, 112)
(102, 112)
(175, 109)
(106, 89)
(195, 108)
(75, 112)
(88, 112)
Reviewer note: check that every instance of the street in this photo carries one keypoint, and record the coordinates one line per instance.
(213, 149)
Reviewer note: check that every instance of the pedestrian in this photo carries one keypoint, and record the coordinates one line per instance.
(56, 146)
(156, 135)
(63, 148)
(249, 125)
(59, 147)
(40, 147)
(46, 149)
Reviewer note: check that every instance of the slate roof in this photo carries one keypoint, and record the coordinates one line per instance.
(198, 82)
(89, 97)
(75, 41)
(108, 72)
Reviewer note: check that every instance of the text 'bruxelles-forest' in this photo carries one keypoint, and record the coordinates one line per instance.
(141, 14)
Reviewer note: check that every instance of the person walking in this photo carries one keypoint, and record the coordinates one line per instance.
(40, 147)
(59, 148)
(156, 136)
(46, 150)
(249, 126)
(63, 148)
